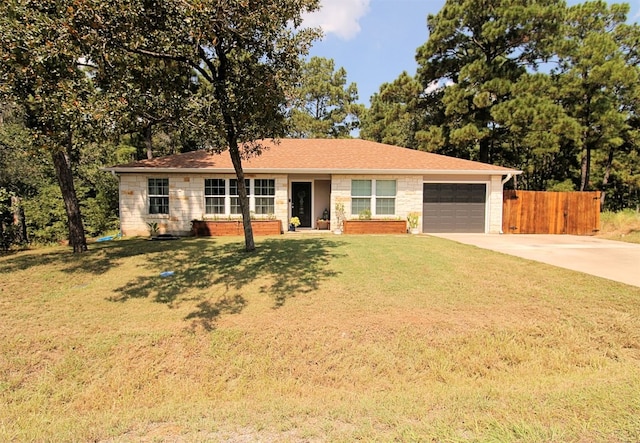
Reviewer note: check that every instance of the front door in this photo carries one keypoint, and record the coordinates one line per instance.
(301, 202)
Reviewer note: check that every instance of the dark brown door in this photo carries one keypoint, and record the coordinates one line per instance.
(301, 203)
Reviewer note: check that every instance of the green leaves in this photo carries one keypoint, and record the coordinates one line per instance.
(557, 125)
(323, 105)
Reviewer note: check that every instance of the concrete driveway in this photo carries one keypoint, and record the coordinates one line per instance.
(609, 259)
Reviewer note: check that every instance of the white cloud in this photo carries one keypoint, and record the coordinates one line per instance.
(339, 17)
(438, 84)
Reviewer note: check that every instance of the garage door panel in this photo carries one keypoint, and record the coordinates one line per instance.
(454, 207)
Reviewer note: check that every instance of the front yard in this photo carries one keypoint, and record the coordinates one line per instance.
(313, 338)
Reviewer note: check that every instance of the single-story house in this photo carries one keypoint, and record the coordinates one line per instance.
(306, 178)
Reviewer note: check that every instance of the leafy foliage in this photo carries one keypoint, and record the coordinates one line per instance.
(323, 105)
(235, 60)
(545, 88)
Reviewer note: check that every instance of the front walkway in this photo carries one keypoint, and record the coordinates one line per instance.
(608, 259)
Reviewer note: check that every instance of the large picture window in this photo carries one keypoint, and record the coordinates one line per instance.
(377, 196)
(158, 195)
(214, 195)
(221, 196)
(264, 191)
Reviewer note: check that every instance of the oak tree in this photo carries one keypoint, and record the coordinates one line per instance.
(243, 54)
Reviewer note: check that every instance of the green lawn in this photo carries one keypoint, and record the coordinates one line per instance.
(313, 338)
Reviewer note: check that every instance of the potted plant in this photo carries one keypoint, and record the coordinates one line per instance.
(323, 223)
(339, 217)
(153, 229)
(412, 219)
(294, 223)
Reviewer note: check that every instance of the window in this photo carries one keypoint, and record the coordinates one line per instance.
(158, 195)
(378, 196)
(214, 194)
(385, 197)
(264, 191)
(360, 196)
(233, 192)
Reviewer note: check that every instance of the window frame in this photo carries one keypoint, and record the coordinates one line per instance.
(215, 198)
(261, 193)
(372, 201)
(264, 200)
(156, 208)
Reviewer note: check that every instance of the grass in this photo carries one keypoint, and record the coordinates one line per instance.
(623, 225)
(313, 338)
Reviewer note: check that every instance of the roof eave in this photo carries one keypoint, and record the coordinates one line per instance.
(129, 170)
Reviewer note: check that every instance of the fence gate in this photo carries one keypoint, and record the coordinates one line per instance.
(540, 212)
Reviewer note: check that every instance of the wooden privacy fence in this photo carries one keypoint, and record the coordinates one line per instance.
(538, 212)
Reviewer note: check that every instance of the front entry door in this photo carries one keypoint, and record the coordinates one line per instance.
(301, 202)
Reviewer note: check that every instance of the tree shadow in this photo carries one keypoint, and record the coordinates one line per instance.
(100, 257)
(218, 276)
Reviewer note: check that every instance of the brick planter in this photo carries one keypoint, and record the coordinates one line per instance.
(219, 228)
(375, 227)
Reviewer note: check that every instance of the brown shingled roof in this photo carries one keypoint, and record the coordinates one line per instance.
(327, 155)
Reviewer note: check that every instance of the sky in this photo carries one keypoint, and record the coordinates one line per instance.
(376, 40)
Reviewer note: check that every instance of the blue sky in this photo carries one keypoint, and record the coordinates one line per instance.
(375, 40)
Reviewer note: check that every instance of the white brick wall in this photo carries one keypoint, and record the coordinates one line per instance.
(408, 195)
(495, 205)
(186, 202)
(186, 199)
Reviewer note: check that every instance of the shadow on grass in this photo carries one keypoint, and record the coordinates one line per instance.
(97, 260)
(221, 277)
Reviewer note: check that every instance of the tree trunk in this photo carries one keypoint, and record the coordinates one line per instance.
(484, 150)
(221, 94)
(585, 168)
(62, 166)
(234, 151)
(605, 178)
(148, 140)
(19, 220)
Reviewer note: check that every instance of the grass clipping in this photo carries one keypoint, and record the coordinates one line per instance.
(374, 338)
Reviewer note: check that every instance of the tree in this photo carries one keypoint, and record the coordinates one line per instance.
(154, 93)
(598, 79)
(480, 49)
(394, 115)
(244, 56)
(323, 106)
(540, 137)
(41, 72)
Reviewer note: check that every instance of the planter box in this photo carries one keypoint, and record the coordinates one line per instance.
(219, 228)
(375, 227)
(322, 224)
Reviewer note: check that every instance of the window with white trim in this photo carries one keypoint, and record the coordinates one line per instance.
(378, 196)
(233, 193)
(158, 189)
(264, 191)
(360, 196)
(385, 197)
(214, 195)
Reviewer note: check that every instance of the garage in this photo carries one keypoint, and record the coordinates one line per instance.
(454, 207)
